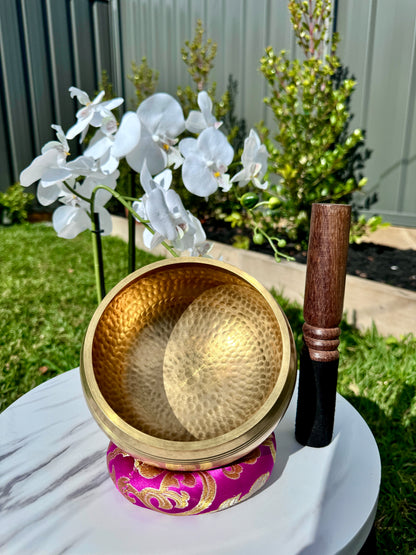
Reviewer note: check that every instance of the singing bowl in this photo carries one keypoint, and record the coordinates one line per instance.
(188, 364)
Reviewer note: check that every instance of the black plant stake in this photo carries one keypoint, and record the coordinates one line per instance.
(132, 228)
(98, 258)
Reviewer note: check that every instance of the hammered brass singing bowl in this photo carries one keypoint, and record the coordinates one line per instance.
(188, 364)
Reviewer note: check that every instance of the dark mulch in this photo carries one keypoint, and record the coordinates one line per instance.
(370, 261)
(380, 263)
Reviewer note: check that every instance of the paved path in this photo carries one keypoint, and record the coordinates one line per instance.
(393, 310)
(396, 237)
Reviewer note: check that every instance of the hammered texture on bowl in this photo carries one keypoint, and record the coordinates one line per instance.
(130, 342)
(222, 360)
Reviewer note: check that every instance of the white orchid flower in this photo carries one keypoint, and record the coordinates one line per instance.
(47, 192)
(188, 231)
(161, 181)
(163, 209)
(206, 161)
(52, 170)
(127, 136)
(74, 217)
(61, 145)
(198, 121)
(50, 165)
(203, 249)
(254, 160)
(193, 238)
(161, 119)
(109, 144)
(49, 168)
(154, 208)
(93, 113)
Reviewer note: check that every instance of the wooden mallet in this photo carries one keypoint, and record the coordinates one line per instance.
(322, 311)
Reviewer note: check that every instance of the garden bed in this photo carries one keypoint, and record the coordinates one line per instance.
(371, 261)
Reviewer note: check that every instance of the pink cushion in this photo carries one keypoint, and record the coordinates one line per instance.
(193, 492)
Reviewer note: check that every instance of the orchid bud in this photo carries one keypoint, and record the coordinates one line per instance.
(274, 202)
(249, 200)
(258, 238)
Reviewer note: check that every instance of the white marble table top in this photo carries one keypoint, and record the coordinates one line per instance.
(56, 495)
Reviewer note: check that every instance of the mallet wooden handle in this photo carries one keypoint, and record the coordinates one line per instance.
(325, 279)
(323, 304)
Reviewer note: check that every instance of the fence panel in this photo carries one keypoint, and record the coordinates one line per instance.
(14, 93)
(377, 44)
(83, 44)
(38, 79)
(101, 37)
(45, 47)
(242, 29)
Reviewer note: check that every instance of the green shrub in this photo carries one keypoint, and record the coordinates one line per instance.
(313, 155)
(14, 204)
(144, 79)
(199, 57)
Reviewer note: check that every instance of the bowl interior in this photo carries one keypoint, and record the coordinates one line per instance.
(187, 352)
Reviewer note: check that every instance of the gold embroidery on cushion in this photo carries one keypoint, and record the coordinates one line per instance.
(126, 489)
(168, 481)
(258, 484)
(117, 451)
(252, 457)
(232, 472)
(188, 479)
(165, 496)
(229, 502)
(209, 490)
(269, 443)
(146, 470)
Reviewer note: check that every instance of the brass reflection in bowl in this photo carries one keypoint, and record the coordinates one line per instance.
(188, 364)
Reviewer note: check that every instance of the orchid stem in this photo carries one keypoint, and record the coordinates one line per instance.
(132, 228)
(98, 256)
(76, 193)
(121, 199)
(277, 253)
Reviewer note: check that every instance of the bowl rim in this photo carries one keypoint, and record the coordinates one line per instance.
(148, 447)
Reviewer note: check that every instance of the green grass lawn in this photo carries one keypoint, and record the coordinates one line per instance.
(377, 375)
(47, 298)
